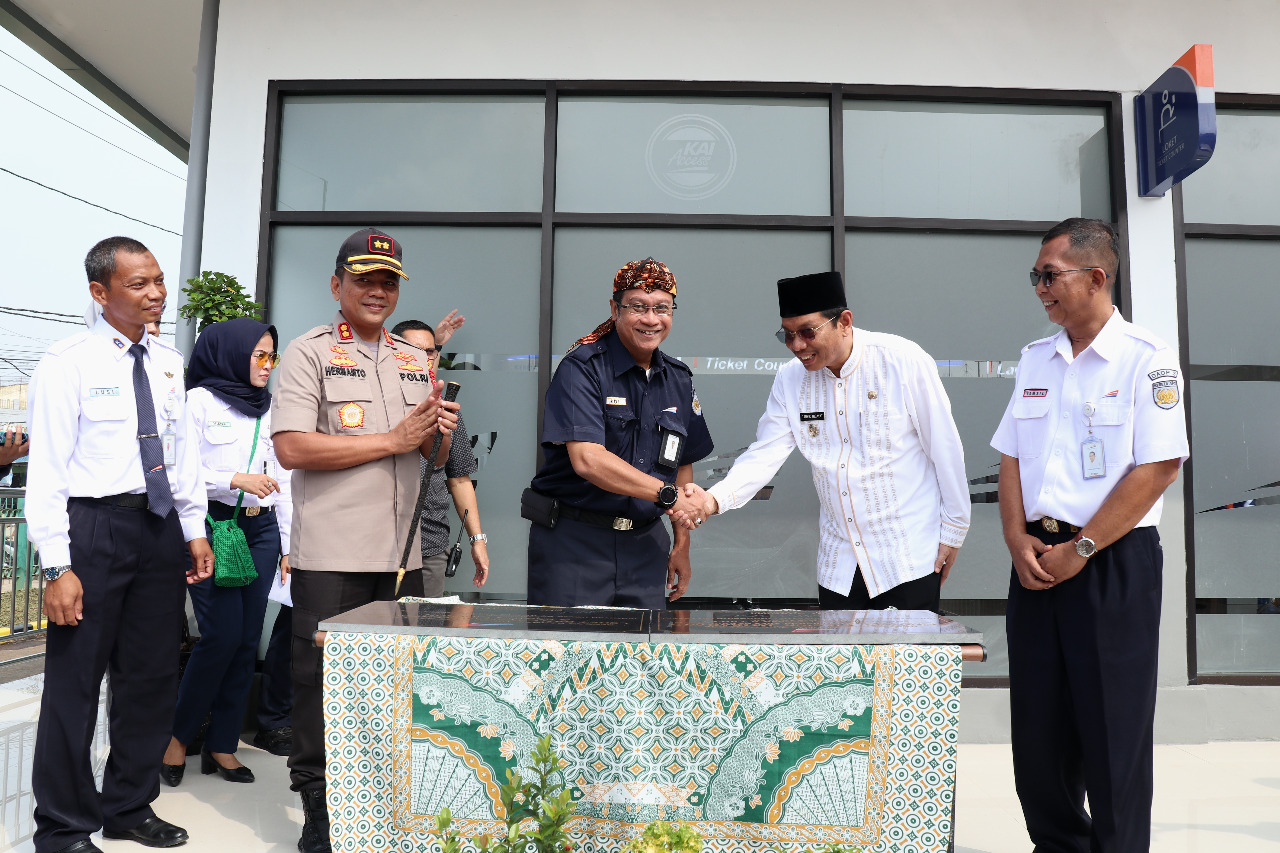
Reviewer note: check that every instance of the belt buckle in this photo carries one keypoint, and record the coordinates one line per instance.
(623, 524)
(252, 510)
(1049, 524)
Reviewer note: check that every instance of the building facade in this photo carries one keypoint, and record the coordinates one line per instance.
(523, 152)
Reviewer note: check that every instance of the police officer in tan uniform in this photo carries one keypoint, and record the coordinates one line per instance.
(354, 410)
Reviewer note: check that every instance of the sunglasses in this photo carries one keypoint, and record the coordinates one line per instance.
(262, 359)
(785, 337)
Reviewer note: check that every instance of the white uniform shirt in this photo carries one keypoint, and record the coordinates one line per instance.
(225, 434)
(84, 429)
(886, 456)
(1131, 378)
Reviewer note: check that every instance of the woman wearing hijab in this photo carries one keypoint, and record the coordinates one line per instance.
(227, 397)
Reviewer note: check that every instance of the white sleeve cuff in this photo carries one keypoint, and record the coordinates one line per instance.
(952, 535)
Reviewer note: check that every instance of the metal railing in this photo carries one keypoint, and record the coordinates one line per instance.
(21, 580)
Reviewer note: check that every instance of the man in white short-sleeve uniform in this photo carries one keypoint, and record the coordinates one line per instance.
(1093, 435)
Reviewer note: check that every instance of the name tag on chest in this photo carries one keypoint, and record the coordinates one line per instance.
(615, 401)
(812, 416)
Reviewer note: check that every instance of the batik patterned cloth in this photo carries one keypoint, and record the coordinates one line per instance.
(794, 747)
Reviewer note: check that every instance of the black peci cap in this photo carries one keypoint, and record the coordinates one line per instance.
(809, 294)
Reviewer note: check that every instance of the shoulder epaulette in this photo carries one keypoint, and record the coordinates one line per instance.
(677, 363)
(66, 344)
(1037, 343)
(326, 329)
(585, 352)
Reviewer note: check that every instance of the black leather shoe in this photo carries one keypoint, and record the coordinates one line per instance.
(171, 774)
(84, 845)
(277, 741)
(208, 764)
(153, 832)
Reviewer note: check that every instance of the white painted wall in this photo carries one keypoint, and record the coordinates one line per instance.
(1089, 44)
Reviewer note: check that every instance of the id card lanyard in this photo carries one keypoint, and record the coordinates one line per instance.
(1091, 459)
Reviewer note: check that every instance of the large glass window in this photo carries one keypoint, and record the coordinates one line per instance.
(410, 152)
(1232, 248)
(975, 161)
(628, 173)
(694, 155)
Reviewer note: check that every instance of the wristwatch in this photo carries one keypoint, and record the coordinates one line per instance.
(52, 573)
(667, 495)
(1086, 547)
(479, 537)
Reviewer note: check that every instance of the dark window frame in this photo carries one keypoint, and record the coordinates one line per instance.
(836, 224)
(1236, 101)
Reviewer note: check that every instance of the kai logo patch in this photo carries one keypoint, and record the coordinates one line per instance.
(344, 332)
(351, 415)
(1165, 393)
(380, 244)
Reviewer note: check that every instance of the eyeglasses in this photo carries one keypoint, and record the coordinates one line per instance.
(637, 309)
(785, 337)
(262, 358)
(1047, 276)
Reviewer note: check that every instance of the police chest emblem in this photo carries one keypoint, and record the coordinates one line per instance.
(351, 415)
(408, 361)
(1165, 393)
(341, 359)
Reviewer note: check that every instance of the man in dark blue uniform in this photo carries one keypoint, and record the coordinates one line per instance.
(622, 429)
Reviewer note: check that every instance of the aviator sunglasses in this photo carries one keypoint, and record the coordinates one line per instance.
(262, 359)
(785, 337)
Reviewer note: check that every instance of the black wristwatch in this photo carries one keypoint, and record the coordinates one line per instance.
(667, 496)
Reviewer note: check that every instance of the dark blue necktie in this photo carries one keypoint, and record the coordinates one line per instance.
(159, 495)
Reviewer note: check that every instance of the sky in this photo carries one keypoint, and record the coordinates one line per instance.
(53, 132)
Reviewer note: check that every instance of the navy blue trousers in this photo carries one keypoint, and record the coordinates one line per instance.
(576, 563)
(1082, 691)
(131, 565)
(275, 693)
(219, 673)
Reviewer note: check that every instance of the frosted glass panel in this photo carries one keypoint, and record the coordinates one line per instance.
(1231, 294)
(694, 155)
(410, 152)
(491, 276)
(975, 161)
(1231, 187)
(723, 328)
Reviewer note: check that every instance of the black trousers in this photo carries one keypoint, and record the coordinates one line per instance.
(132, 567)
(275, 693)
(318, 596)
(1082, 691)
(577, 563)
(920, 594)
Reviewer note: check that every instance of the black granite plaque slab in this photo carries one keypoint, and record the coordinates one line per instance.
(801, 627)
(495, 620)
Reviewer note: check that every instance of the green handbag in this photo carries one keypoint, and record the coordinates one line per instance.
(232, 562)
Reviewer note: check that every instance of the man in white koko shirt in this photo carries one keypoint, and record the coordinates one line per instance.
(869, 413)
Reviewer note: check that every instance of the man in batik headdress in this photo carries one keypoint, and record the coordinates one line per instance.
(622, 429)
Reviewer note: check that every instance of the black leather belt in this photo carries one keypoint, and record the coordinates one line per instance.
(599, 519)
(126, 501)
(249, 511)
(1053, 525)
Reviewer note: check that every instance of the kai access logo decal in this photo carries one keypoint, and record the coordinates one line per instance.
(691, 157)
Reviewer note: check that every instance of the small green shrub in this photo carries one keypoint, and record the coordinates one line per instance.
(213, 297)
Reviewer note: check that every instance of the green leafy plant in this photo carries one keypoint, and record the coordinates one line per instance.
(215, 296)
(536, 809)
(662, 837)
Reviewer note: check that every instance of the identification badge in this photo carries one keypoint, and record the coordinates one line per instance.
(1091, 458)
(169, 443)
(670, 447)
(615, 401)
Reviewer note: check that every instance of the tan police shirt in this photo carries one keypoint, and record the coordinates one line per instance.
(356, 519)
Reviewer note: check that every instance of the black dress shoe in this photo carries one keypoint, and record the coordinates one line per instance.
(171, 774)
(153, 832)
(208, 764)
(277, 741)
(84, 845)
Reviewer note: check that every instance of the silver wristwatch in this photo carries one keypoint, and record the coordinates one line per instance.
(52, 573)
(479, 537)
(1086, 547)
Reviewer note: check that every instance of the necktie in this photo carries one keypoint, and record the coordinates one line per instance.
(159, 495)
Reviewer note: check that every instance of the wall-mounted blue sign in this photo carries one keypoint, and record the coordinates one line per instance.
(1176, 122)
